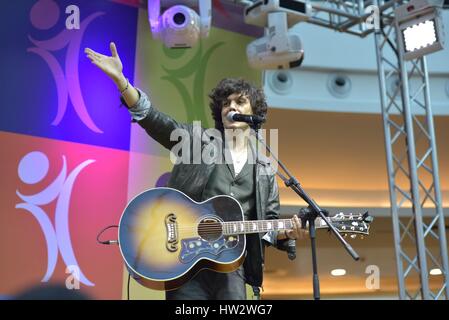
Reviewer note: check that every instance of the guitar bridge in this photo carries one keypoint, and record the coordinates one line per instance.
(172, 232)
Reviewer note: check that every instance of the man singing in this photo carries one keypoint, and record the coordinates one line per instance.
(251, 183)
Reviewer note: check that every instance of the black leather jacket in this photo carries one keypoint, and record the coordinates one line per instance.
(192, 178)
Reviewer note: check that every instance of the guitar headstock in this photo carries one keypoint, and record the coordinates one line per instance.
(352, 224)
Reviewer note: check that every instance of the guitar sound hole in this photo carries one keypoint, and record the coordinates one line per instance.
(210, 229)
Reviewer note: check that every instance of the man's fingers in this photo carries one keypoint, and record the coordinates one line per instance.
(113, 49)
(95, 63)
(89, 51)
(93, 58)
(297, 228)
(297, 221)
(93, 53)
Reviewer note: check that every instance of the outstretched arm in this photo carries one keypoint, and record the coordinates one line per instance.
(112, 66)
(157, 124)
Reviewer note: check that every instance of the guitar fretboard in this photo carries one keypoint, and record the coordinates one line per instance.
(256, 226)
(349, 224)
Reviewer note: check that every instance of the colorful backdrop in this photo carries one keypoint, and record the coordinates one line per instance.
(71, 158)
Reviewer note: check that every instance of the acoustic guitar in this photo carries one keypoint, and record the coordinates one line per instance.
(165, 237)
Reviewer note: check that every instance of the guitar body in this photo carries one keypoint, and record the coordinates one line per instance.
(165, 237)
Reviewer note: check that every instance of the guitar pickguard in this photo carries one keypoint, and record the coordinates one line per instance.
(194, 247)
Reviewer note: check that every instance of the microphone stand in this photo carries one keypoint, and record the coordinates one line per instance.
(306, 216)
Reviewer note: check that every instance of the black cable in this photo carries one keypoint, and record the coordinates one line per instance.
(393, 48)
(107, 241)
(129, 280)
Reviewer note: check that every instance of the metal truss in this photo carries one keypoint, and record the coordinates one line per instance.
(410, 146)
(344, 16)
(412, 167)
(411, 152)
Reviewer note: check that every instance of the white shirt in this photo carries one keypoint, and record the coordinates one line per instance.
(238, 160)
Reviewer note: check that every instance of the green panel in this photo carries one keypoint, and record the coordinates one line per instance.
(179, 80)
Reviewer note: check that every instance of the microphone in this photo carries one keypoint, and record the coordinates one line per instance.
(291, 249)
(248, 118)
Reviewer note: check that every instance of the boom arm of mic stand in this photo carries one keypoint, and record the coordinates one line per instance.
(293, 183)
(297, 188)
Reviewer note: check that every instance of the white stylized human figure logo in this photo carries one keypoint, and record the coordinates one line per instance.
(33, 168)
(44, 15)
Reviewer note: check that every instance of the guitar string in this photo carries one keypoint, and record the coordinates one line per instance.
(258, 222)
(220, 230)
(217, 228)
(238, 230)
(237, 225)
(215, 224)
(237, 233)
(231, 229)
(220, 226)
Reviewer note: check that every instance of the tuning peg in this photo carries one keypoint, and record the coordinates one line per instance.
(345, 235)
(353, 236)
(367, 217)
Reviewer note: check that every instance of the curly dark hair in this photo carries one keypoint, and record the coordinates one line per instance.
(229, 86)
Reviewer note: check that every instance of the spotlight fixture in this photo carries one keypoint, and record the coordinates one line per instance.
(419, 28)
(180, 26)
(279, 48)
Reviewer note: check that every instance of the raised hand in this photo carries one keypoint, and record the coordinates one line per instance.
(111, 65)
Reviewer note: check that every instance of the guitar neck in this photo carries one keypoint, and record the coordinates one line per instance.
(259, 226)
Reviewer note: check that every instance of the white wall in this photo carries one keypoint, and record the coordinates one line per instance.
(329, 52)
